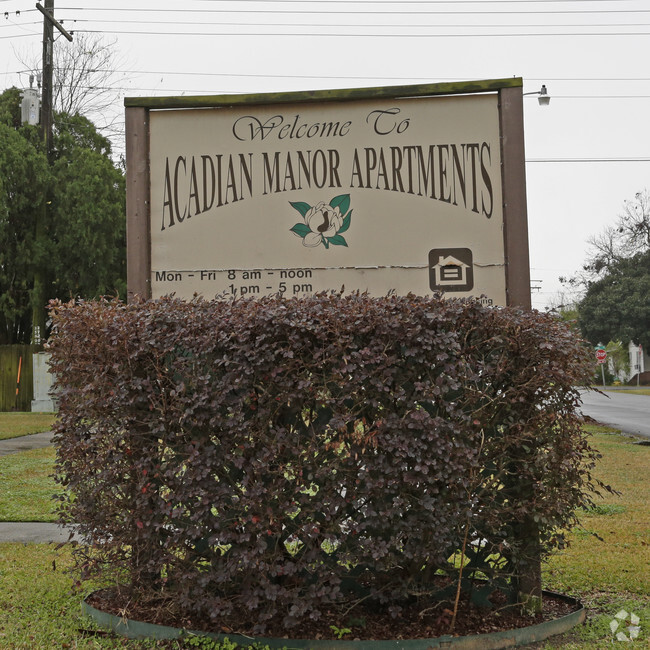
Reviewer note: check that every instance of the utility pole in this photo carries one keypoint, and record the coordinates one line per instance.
(46, 101)
(38, 297)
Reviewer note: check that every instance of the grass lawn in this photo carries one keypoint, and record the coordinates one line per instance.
(37, 607)
(614, 573)
(634, 391)
(27, 486)
(38, 610)
(15, 425)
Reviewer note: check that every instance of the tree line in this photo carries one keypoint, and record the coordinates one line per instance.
(82, 252)
(615, 279)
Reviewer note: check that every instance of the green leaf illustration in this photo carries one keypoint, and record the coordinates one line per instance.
(301, 206)
(337, 240)
(342, 202)
(301, 229)
(325, 242)
(346, 223)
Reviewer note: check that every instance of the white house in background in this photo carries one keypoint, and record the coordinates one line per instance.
(639, 360)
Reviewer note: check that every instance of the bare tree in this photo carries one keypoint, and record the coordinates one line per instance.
(84, 72)
(634, 224)
(627, 237)
(564, 304)
(604, 250)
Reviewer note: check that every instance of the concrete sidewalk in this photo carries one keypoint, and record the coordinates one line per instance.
(32, 532)
(25, 443)
(26, 532)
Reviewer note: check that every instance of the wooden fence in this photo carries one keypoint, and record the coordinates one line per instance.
(16, 377)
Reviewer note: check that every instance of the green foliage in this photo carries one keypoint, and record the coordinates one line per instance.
(340, 632)
(616, 307)
(24, 179)
(271, 459)
(88, 230)
(618, 357)
(10, 114)
(82, 250)
(206, 643)
(74, 132)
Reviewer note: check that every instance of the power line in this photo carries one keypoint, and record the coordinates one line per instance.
(292, 76)
(9, 25)
(362, 35)
(432, 79)
(588, 160)
(414, 2)
(202, 91)
(398, 11)
(266, 24)
(270, 76)
(601, 96)
(119, 21)
(19, 35)
(355, 35)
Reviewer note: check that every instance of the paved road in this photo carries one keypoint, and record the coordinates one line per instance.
(629, 413)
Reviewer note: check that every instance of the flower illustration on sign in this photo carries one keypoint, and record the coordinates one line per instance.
(323, 223)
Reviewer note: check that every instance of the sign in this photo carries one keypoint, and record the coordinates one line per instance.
(397, 190)
(601, 355)
(451, 269)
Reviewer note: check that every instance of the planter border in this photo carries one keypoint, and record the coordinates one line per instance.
(492, 641)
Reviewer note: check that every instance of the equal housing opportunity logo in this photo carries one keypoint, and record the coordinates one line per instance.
(625, 626)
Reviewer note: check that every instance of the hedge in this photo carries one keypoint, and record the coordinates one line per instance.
(267, 459)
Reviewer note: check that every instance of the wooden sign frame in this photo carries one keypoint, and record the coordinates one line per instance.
(511, 134)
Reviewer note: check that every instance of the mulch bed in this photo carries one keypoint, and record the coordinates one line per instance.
(418, 620)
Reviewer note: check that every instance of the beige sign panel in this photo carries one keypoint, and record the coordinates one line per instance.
(380, 195)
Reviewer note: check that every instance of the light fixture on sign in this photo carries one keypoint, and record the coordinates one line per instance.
(544, 98)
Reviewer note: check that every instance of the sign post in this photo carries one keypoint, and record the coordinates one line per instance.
(601, 357)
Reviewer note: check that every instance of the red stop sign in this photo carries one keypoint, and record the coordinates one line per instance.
(601, 355)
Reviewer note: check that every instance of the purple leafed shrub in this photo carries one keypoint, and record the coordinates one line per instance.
(277, 456)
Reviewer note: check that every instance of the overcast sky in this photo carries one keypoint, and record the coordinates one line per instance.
(587, 152)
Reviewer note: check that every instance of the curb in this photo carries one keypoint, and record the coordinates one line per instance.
(494, 641)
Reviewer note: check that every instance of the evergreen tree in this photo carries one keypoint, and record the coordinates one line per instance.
(617, 306)
(83, 253)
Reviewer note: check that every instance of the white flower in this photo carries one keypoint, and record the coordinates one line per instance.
(323, 221)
